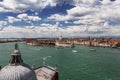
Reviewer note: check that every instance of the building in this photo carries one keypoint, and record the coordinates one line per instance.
(18, 70)
(64, 43)
(45, 72)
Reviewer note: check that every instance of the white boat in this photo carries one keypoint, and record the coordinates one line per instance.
(92, 50)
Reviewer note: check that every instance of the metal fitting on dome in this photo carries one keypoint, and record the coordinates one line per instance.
(44, 61)
(16, 46)
(16, 56)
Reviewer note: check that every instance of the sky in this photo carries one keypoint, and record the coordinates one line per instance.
(52, 18)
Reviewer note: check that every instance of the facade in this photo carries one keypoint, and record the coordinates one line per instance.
(18, 70)
(45, 72)
(64, 44)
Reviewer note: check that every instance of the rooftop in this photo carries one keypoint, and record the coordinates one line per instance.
(46, 73)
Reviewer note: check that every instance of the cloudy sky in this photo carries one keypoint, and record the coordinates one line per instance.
(52, 18)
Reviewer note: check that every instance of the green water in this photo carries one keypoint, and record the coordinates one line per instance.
(102, 64)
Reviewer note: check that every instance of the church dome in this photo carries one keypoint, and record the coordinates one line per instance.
(17, 72)
(16, 69)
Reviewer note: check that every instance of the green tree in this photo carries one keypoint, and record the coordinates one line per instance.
(118, 45)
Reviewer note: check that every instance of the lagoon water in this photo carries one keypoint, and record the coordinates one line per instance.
(79, 63)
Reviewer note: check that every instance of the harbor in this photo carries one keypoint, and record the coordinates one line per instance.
(69, 42)
(73, 64)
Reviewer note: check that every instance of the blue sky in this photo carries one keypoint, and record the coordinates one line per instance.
(52, 18)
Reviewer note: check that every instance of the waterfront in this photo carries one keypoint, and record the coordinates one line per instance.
(80, 64)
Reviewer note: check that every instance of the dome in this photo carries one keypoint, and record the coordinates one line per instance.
(16, 69)
(17, 72)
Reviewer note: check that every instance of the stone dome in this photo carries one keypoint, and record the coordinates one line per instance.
(16, 69)
(17, 72)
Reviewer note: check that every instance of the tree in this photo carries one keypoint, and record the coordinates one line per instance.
(118, 45)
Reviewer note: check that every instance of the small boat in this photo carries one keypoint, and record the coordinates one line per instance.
(92, 50)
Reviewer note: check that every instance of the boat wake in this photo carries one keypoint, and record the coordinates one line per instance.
(92, 50)
(47, 57)
(36, 49)
(75, 51)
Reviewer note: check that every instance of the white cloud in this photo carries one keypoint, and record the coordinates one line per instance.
(94, 15)
(94, 19)
(21, 16)
(76, 29)
(28, 32)
(90, 20)
(110, 12)
(59, 17)
(94, 29)
(21, 5)
(34, 18)
(12, 6)
(2, 24)
(26, 17)
(80, 11)
(15, 31)
(106, 2)
(49, 30)
(3, 9)
(72, 2)
(67, 22)
(74, 13)
(46, 25)
(11, 19)
(83, 14)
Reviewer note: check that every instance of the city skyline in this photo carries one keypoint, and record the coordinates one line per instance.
(52, 18)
